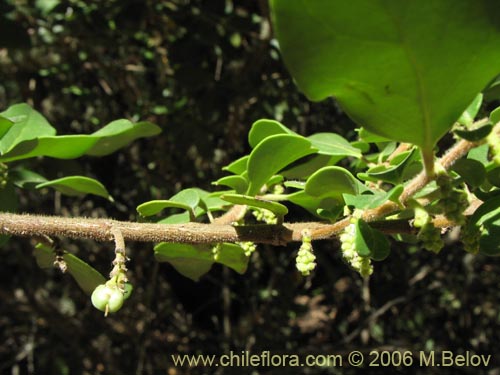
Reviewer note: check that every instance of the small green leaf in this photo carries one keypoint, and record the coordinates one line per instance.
(77, 185)
(189, 260)
(154, 207)
(28, 125)
(307, 165)
(5, 125)
(472, 171)
(331, 182)
(394, 173)
(467, 118)
(474, 135)
(273, 154)
(334, 145)
(120, 133)
(487, 219)
(238, 166)
(24, 178)
(261, 129)
(493, 176)
(87, 277)
(233, 256)
(275, 207)
(235, 182)
(187, 199)
(369, 137)
(495, 115)
(371, 242)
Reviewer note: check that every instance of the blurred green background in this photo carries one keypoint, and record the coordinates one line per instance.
(204, 71)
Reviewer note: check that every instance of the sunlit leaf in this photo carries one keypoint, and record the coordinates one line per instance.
(273, 154)
(77, 185)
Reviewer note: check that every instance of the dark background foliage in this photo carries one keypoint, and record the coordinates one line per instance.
(204, 71)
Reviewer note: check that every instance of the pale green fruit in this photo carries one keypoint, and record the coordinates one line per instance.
(115, 301)
(128, 288)
(100, 297)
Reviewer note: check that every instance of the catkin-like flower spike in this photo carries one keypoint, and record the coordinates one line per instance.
(305, 260)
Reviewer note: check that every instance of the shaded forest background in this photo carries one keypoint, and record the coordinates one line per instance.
(204, 71)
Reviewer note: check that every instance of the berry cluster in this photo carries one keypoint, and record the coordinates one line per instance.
(348, 245)
(305, 260)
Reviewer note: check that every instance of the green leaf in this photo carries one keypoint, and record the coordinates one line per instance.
(370, 242)
(468, 116)
(189, 260)
(107, 140)
(333, 144)
(77, 185)
(394, 173)
(24, 178)
(474, 135)
(275, 207)
(236, 182)
(493, 176)
(233, 256)
(487, 219)
(331, 182)
(262, 129)
(5, 125)
(495, 115)
(306, 166)
(87, 277)
(384, 64)
(238, 166)
(120, 133)
(273, 154)
(28, 125)
(369, 137)
(472, 171)
(154, 207)
(186, 199)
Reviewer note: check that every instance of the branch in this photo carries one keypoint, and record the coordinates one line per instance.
(221, 229)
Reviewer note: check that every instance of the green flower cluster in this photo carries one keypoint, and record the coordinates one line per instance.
(348, 245)
(453, 201)
(248, 247)
(4, 174)
(428, 234)
(261, 214)
(305, 260)
(470, 236)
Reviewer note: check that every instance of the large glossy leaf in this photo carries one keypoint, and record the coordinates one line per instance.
(402, 69)
(273, 154)
(28, 124)
(77, 185)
